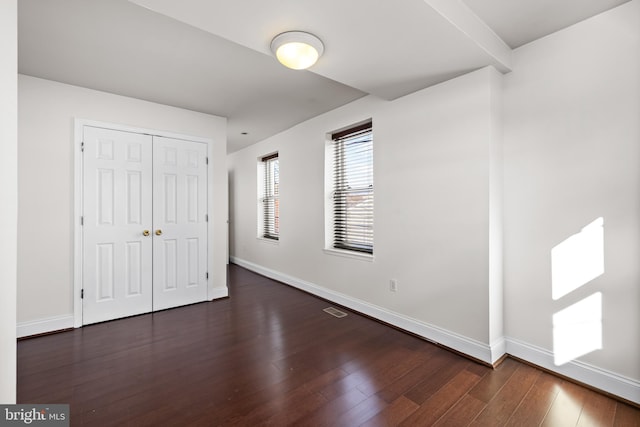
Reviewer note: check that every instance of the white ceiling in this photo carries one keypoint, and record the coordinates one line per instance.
(213, 56)
(519, 22)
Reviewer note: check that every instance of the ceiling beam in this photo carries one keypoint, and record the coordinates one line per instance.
(468, 23)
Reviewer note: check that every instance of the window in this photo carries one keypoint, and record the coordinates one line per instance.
(353, 189)
(270, 198)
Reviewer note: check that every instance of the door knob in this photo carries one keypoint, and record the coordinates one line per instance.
(158, 232)
(145, 233)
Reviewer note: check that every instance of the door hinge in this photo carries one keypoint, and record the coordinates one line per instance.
(206, 217)
(207, 275)
(82, 147)
(81, 220)
(81, 293)
(207, 160)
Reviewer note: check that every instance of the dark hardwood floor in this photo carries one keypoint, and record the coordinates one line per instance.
(269, 355)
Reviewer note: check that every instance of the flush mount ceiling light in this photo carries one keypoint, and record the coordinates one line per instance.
(297, 49)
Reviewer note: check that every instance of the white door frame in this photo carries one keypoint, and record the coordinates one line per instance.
(78, 201)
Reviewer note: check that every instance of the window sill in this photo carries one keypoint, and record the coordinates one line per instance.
(271, 241)
(349, 254)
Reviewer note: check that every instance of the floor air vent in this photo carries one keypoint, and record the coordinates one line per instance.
(334, 312)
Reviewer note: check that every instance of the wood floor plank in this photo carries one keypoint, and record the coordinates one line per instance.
(491, 384)
(374, 373)
(269, 355)
(361, 412)
(289, 408)
(597, 410)
(395, 368)
(434, 382)
(411, 379)
(462, 413)
(393, 414)
(504, 403)
(626, 416)
(283, 408)
(537, 402)
(439, 403)
(566, 407)
(327, 414)
(248, 400)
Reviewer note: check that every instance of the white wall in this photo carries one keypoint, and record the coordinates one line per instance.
(8, 196)
(46, 175)
(432, 161)
(572, 154)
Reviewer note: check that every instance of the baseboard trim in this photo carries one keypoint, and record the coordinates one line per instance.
(44, 326)
(59, 323)
(609, 382)
(456, 342)
(498, 351)
(217, 293)
(592, 376)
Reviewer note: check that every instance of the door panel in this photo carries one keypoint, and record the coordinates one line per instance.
(180, 207)
(117, 195)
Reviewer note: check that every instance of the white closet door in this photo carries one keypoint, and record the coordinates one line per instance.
(180, 223)
(117, 199)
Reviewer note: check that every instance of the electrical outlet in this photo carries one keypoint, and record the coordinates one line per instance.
(393, 285)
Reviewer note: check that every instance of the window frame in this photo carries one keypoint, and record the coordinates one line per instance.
(269, 197)
(340, 237)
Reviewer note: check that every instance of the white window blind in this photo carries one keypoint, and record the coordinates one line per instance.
(271, 197)
(353, 189)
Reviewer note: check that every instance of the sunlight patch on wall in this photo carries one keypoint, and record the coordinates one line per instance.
(577, 330)
(577, 260)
